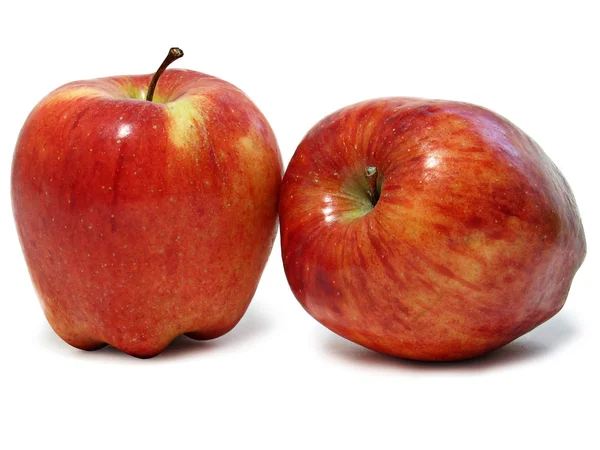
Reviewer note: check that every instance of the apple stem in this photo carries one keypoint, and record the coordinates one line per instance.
(174, 53)
(371, 176)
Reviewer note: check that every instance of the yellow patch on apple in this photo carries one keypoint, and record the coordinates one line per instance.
(185, 120)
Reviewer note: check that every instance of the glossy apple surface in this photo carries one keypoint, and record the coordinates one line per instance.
(142, 220)
(474, 240)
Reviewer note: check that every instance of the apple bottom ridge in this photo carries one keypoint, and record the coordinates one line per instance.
(145, 347)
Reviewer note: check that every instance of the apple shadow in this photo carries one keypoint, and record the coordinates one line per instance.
(252, 324)
(538, 343)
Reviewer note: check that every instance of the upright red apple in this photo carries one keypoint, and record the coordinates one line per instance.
(429, 230)
(142, 220)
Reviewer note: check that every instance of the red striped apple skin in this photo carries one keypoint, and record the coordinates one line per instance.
(474, 241)
(139, 220)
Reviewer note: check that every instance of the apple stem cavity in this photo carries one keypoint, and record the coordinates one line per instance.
(174, 53)
(371, 177)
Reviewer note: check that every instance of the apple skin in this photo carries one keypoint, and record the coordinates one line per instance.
(139, 220)
(474, 241)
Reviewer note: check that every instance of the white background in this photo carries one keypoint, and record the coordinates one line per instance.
(279, 379)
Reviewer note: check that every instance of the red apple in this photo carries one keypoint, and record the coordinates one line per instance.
(428, 230)
(143, 220)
